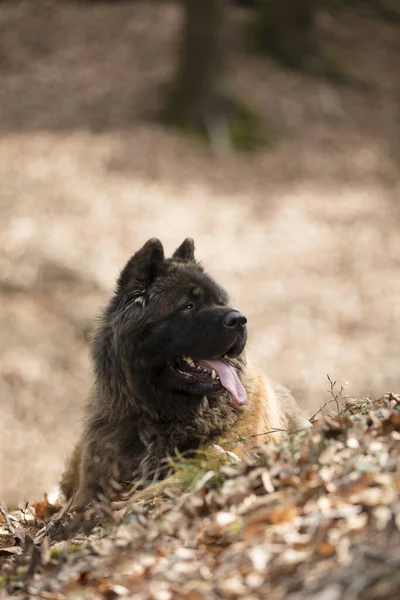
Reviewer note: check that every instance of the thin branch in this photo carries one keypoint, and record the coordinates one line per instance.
(336, 397)
(254, 435)
(322, 408)
(7, 520)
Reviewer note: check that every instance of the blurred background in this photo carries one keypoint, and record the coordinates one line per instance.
(269, 131)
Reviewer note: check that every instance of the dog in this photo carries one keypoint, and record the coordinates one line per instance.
(170, 374)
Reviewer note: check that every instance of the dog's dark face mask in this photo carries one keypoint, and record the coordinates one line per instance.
(171, 328)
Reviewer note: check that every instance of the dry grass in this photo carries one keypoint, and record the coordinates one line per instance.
(304, 236)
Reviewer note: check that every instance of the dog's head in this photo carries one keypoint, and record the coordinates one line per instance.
(170, 329)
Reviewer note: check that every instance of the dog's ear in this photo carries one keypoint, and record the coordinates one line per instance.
(185, 250)
(143, 267)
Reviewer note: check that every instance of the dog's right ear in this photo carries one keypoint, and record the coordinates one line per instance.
(143, 267)
(185, 250)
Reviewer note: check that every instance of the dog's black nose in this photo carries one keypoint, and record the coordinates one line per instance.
(234, 319)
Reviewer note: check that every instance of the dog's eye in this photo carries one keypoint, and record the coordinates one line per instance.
(189, 306)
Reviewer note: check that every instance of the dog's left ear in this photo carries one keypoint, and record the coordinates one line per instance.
(185, 250)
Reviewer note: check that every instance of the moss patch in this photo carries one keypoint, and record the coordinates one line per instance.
(235, 126)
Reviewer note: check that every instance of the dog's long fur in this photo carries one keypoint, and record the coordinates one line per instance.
(139, 411)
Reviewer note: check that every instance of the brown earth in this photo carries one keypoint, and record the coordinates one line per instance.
(305, 235)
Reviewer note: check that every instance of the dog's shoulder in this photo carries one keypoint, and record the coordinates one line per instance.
(271, 410)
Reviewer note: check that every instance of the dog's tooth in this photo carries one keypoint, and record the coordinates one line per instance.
(213, 374)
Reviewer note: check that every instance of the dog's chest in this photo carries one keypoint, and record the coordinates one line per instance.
(194, 426)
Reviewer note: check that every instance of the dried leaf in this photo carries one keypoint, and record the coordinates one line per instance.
(11, 550)
(267, 482)
(283, 514)
(6, 539)
(44, 509)
(326, 549)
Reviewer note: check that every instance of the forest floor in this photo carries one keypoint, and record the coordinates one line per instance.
(304, 234)
(317, 517)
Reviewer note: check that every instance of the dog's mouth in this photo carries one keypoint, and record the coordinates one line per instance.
(217, 373)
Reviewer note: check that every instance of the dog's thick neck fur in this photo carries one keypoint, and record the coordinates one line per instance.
(119, 372)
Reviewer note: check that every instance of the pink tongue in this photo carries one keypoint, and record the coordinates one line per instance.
(229, 379)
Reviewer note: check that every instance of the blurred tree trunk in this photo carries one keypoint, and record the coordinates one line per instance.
(199, 98)
(286, 29)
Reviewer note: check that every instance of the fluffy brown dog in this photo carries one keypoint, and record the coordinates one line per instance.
(169, 374)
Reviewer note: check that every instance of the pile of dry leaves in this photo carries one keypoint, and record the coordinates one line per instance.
(317, 517)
